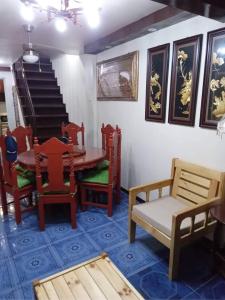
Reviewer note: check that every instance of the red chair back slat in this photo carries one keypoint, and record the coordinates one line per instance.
(53, 151)
(71, 130)
(6, 165)
(22, 136)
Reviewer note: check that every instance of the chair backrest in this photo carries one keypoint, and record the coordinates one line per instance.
(112, 145)
(57, 156)
(71, 130)
(194, 183)
(22, 136)
(6, 165)
(106, 132)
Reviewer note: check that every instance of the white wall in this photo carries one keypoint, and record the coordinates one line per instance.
(147, 147)
(76, 78)
(8, 84)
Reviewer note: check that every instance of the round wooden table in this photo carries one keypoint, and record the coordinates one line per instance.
(83, 158)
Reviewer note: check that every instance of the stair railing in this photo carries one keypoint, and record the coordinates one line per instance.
(25, 92)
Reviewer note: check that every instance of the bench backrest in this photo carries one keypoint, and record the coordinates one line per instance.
(195, 184)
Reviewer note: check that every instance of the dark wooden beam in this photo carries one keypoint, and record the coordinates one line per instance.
(162, 18)
(5, 69)
(214, 9)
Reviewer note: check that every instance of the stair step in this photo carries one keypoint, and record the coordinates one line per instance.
(37, 71)
(40, 126)
(50, 105)
(33, 80)
(36, 67)
(44, 87)
(47, 97)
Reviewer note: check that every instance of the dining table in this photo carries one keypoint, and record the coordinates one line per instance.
(84, 158)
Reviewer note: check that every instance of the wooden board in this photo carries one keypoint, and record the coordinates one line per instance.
(97, 278)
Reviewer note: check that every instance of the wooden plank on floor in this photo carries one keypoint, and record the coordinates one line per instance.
(102, 282)
(88, 283)
(62, 289)
(40, 292)
(50, 291)
(75, 286)
(115, 279)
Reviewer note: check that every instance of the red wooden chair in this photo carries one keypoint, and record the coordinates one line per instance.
(13, 183)
(22, 136)
(56, 189)
(102, 179)
(71, 130)
(106, 132)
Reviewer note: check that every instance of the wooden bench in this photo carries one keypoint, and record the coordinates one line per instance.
(181, 214)
(97, 278)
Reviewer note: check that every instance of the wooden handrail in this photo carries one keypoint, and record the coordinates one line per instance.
(21, 77)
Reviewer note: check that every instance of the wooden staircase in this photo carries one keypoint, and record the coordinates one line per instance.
(40, 98)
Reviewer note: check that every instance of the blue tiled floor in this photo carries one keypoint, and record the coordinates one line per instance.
(27, 254)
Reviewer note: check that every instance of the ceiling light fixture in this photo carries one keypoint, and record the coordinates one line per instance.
(30, 55)
(64, 10)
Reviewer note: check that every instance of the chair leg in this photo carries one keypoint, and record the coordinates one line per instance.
(131, 231)
(73, 210)
(174, 262)
(41, 212)
(3, 200)
(17, 208)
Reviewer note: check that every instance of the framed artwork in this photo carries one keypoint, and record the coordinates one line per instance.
(117, 78)
(213, 96)
(184, 80)
(156, 83)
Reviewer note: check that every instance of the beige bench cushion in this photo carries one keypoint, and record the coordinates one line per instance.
(159, 214)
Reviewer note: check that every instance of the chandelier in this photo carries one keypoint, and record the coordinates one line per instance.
(63, 10)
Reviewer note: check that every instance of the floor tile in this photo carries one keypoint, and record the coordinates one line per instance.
(27, 291)
(27, 254)
(76, 249)
(214, 289)
(29, 220)
(35, 265)
(9, 295)
(4, 249)
(60, 231)
(89, 220)
(153, 283)
(26, 241)
(123, 223)
(196, 265)
(108, 236)
(131, 257)
(6, 276)
(120, 211)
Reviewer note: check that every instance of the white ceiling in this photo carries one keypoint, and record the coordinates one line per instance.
(114, 15)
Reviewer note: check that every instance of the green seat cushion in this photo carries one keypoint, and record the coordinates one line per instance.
(97, 176)
(22, 181)
(103, 165)
(25, 173)
(19, 168)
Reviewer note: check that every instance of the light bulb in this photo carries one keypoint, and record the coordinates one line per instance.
(27, 13)
(93, 19)
(91, 12)
(60, 24)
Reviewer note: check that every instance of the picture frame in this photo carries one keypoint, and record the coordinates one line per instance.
(213, 95)
(156, 83)
(117, 78)
(184, 80)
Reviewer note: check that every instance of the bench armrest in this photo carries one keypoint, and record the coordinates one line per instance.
(146, 188)
(192, 212)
